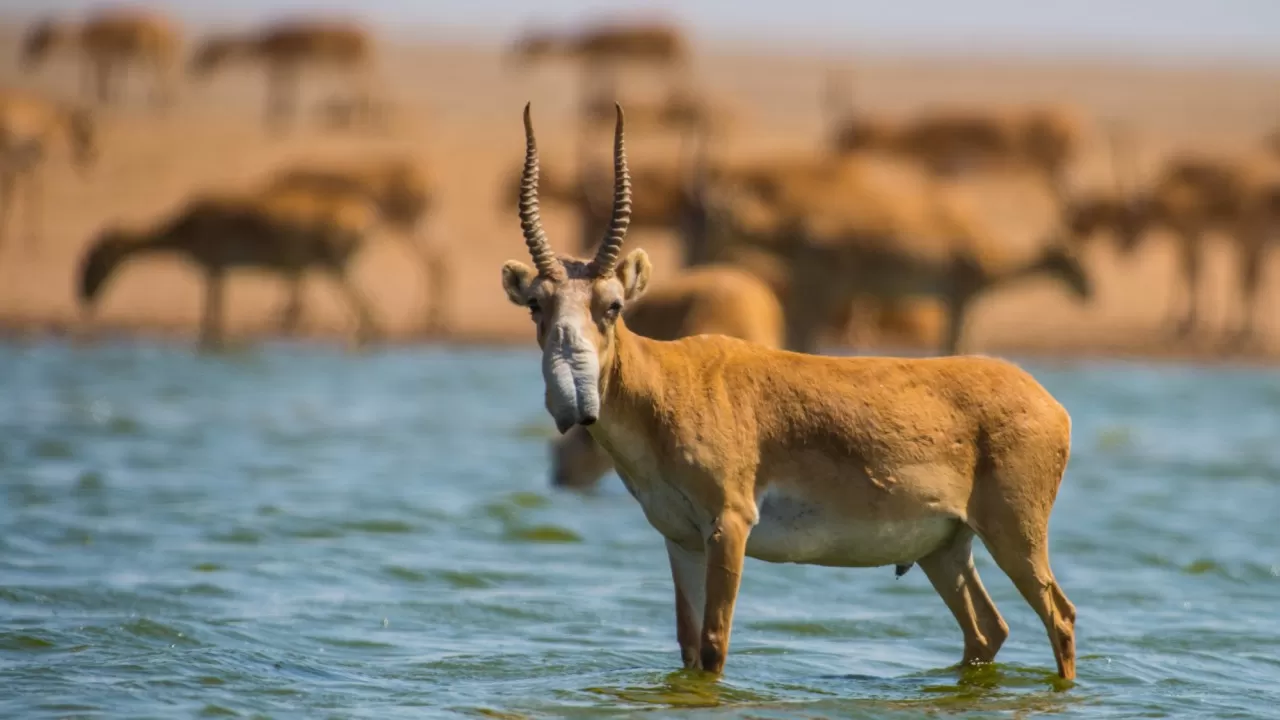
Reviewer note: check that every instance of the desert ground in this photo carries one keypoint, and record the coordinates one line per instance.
(457, 110)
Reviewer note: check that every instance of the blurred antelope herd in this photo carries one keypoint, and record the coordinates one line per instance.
(880, 231)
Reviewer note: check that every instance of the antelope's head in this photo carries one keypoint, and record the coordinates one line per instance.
(105, 254)
(1061, 260)
(575, 304)
(1124, 217)
(39, 41)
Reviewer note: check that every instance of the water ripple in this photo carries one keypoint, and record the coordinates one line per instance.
(293, 530)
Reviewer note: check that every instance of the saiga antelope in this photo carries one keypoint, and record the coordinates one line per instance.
(653, 42)
(284, 50)
(29, 124)
(950, 141)
(287, 233)
(671, 201)
(403, 195)
(708, 299)
(1192, 196)
(717, 299)
(602, 49)
(735, 449)
(109, 42)
(865, 228)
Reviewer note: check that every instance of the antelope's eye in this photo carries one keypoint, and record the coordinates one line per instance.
(615, 307)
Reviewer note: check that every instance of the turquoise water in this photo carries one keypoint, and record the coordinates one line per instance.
(295, 531)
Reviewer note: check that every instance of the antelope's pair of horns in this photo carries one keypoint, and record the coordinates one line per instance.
(544, 258)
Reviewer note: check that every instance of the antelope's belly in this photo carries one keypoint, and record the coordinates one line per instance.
(795, 529)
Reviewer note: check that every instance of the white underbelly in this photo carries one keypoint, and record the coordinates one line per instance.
(794, 529)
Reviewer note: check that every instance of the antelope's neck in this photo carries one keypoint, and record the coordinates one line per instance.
(154, 242)
(631, 380)
(633, 384)
(1028, 269)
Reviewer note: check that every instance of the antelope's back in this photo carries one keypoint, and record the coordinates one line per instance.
(127, 31)
(335, 41)
(882, 405)
(649, 41)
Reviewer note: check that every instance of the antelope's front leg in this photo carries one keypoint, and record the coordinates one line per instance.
(726, 550)
(689, 571)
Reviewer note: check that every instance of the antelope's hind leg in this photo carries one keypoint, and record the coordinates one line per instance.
(290, 316)
(366, 327)
(950, 569)
(213, 322)
(1019, 543)
(1251, 260)
(1191, 259)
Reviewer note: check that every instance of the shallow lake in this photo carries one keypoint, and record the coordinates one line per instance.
(295, 531)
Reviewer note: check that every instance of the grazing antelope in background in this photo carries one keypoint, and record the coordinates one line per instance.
(109, 42)
(284, 50)
(603, 49)
(1191, 197)
(287, 233)
(711, 299)
(653, 42)
(866, 227)
(1194, 196)
(736, 449)
(669, 203)
(955, 140)
(403, 195)
(29, 126)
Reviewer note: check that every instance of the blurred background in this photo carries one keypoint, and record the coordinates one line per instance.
(1152, 99)
(294, 529)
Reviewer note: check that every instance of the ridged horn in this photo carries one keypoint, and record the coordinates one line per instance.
(606, 260)
(530, 218)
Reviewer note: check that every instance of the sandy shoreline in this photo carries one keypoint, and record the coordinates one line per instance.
(1118, 347)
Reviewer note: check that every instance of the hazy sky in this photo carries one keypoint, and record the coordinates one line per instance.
(1129, 27)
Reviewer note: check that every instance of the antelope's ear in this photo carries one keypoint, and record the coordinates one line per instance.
(516, 279)
(633, 273)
